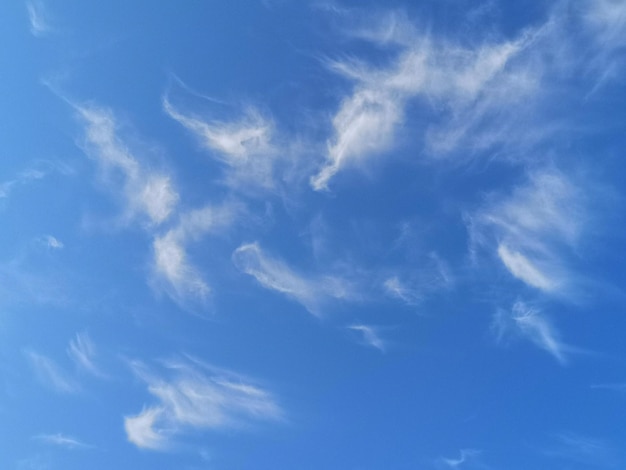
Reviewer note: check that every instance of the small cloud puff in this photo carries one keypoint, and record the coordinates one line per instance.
(53, 242)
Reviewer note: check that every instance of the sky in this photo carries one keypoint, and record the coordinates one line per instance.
(301, 234)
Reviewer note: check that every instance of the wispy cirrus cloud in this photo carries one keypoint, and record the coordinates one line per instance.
(24, 177)
(62, 440)
(82, 351)
(192, 396)
(584, 450)
(147, 193)
(467, 83)
(312, 292)
(400, 290)
(370, 336)
(50, 374)
(477, 94)
(38, 18)
(535, 229)
(172, 268)
(607, 20)
(530, 323)
(465, 458)
(248, 146)
(412, 287)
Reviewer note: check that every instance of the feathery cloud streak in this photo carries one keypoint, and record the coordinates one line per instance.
(534, 228)
(193, 396)
(82, 351)
(466, 456)
(171, 264)
(370, 336)
(529, 323)
(50, 374)
(449, 75)
(147, 192)
(62, 440)
(478, 94)
(6, 187)
(272, 273)
(247, 147)
(39, 25)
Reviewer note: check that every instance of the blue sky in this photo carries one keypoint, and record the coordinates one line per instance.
(284, 234)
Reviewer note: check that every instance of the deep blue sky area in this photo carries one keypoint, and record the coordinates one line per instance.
(278, 234)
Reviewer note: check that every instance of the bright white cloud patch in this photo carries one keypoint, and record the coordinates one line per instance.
(529, 323)
(364, 126)
(272, 273)
(194, 397)
(523, 269)
(535, 229)
(469, 84)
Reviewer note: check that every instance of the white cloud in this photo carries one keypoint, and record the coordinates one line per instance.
(535, 229)
(248, 147)
(523, 269)
(146, 192)
(38, 17)
(192, 396)
(310, 291)
(142, 430)
(364, 126)
(26, 176)
(466, 456)
(529, 323)
(172, 267)
(171, 264)
(463, 84)
(398, 289)
(50, 374)
(83, 352)
(476, 94)
(53, 242)
(370, 336)
(62, 440)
